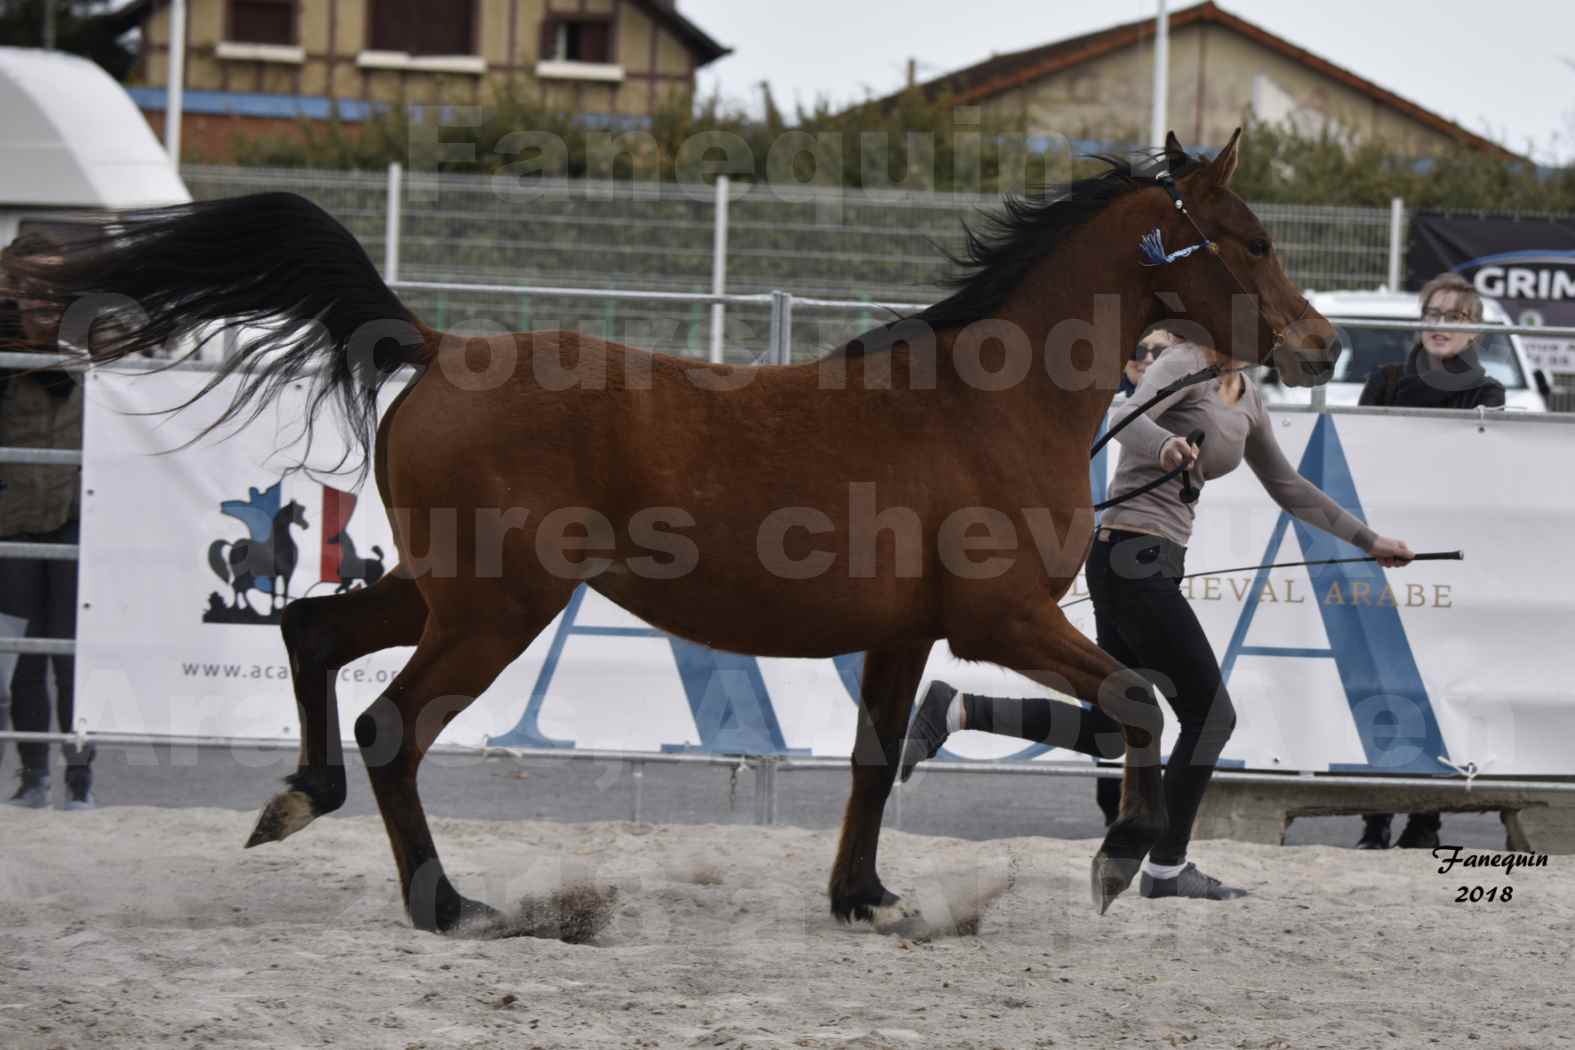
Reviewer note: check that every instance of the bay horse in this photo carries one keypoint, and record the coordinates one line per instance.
(926, 481)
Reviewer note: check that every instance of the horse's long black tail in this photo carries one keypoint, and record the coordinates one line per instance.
(271, 275)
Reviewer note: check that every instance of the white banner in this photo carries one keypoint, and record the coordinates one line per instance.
(1549, 354)
(1437, 665)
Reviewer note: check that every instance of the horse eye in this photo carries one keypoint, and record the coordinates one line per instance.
(1258, 248)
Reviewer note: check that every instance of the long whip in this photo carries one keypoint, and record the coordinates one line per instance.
(1429, 556)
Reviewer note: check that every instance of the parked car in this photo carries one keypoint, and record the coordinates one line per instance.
(1366, 349)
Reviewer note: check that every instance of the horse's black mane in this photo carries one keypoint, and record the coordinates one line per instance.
(1001, 247)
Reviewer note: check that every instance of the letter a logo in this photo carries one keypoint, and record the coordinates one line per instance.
(1367, 641)
(726, 692)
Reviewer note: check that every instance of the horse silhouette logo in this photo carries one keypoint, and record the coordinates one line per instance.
(353, 568)
(263, 561)
(266, 560)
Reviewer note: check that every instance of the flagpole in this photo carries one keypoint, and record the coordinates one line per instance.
(1161, 78)
(177, 79)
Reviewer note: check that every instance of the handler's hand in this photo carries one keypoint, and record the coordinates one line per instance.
(1391, 553)
(1176, 451)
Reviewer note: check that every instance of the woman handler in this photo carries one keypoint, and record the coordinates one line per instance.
(1141, 617)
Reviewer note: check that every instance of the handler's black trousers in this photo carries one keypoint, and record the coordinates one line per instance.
(1141, 619)
(45, 594)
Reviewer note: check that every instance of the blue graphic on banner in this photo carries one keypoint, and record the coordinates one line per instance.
(726, 693)
(1367, 641)
(729, 701)
(257, 513)
(850, 668)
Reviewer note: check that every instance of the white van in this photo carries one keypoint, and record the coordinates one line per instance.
(1366, 349)
(76, 145)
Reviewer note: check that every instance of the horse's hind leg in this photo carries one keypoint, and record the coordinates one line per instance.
(458, 657)
(321, 636)
(891, 677)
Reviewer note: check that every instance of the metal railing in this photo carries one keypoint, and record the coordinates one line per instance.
(876, 246)
(765, 768)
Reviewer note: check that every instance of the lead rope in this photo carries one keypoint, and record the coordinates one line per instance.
(1189, 380)
(1152, 248)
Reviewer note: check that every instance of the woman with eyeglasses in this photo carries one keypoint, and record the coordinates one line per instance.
(1441, 371)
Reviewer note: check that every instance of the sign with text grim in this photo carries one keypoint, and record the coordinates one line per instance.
(188, 560)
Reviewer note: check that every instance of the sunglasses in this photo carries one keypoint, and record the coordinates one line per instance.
(1150, 352)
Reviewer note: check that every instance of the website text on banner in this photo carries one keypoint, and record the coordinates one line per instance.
(1351, 667)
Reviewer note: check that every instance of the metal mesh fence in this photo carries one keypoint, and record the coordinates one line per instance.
(846, 244)
(1327, 248)
(356, 198)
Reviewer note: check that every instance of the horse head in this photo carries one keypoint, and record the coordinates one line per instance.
(1224, 284)
(293, 513)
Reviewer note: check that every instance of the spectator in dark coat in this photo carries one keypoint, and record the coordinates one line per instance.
(1441, 371)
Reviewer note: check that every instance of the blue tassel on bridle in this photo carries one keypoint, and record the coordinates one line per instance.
(1152, 247)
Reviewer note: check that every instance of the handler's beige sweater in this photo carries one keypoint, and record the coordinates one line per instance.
(1234, 432)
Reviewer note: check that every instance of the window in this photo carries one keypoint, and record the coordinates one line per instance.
(577, 39)
(262, 22)
(1368, 349)
(421, 27)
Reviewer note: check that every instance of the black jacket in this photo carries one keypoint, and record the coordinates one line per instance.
(1423, 382)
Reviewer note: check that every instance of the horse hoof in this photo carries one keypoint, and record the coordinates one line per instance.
(468, 918)
(462, 916)
(1110, 878)
(435, 906)
(862, 906)
(284, 815)
(898, 919)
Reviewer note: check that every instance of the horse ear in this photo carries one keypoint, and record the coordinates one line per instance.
(1224, 166)
(1175, 156)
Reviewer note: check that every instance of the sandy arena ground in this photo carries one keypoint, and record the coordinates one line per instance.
(140, 927)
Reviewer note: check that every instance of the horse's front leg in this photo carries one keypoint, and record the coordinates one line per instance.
(450, 668)
(1036, 640)
(891, 677)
